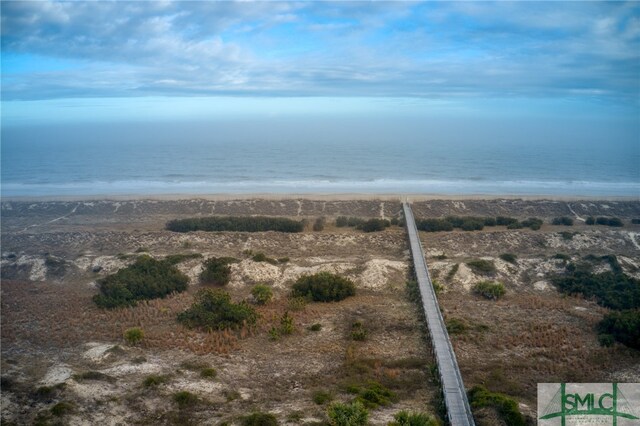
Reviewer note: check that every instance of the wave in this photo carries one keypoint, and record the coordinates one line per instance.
(410, 186)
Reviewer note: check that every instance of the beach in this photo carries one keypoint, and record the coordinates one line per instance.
(55, 251)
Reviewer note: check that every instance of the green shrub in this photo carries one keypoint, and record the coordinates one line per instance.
(262, 294)
(235, 224)
(286, 324)
(323, 287)
(606, 340)
(62, 408)
(283, 260)
(590, 220)
(623, 326)
(216, 271)
(185, 399)
(567, 235)
(133, 335)
(374, 395)
(615, 222)
(154, 380)
(509, 257)
(505, 221)
(564, 220)
(405, 418)
(562, 256)
(489, 289)
(614, 290)
(635, 221)
(456, 326)
(342, 221)
(609, 221)
(213, 310)
(174, 259)
(482, 266)
(259, 257)
(145, 279)
(354, 414)
(315, 327)
(506, 407)
(437, 287)
(94, 375)
(452, 272)
(296, 304)
(260, 419)
(434, 225)
(208, 373)
(318, 225)
(532, 223)
(374, 225)
(490, 221)
(358, 332)
(322, 397)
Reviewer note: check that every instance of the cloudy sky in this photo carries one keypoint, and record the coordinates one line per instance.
(117, 60)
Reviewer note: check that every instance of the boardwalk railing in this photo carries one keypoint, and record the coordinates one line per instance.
(455, 396)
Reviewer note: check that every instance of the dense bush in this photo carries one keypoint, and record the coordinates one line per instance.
(509, 257)
(146, 279)
(185, 399)
(506, 407)
(623, 326)
(213, 310)
(216, 271)
(505, 221)
(614, 290)
(208, 373)
(482, 266)
(374, 395)
(354, 414)
(433, 225)
(236, 224)
(456, 326)
(261, 257)
(154, 380)
(262, 294)
(260, 419)
(358, 331)
(466, 223)
(323, 287)
(322, 397)
(635, 221)
(374, 225)
(489, 289)
(606, 221)
(562, 256)
(133, 335)
(174, 259)
(564, 220)
(318, 225)
(532, 223)
(343, 221)
(405, 418)
(62, 408)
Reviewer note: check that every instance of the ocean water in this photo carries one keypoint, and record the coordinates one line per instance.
(47, 163)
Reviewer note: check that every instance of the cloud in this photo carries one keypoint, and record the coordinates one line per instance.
(433, 49)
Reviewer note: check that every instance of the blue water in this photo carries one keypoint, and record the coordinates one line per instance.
(48, 164)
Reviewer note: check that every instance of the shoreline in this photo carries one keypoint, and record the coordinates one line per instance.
(315, 196)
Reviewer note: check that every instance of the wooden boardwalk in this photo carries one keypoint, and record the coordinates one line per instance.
(455, 396)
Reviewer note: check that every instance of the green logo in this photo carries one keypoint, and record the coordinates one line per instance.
(613, 404)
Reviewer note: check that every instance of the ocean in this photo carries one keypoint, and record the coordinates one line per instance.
(96, 163)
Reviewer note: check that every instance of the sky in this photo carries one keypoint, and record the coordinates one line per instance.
(98, 61)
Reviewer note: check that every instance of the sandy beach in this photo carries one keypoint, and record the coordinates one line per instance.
(55, 251)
